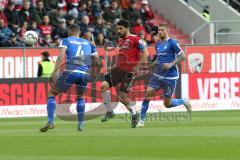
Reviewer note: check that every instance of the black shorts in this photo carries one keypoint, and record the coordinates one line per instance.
(117, 76)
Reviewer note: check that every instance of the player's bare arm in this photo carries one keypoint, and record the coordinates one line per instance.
(181, 57)
(150, 65)
(60, 58)
(96, 61)
(96, 65)
(142, 59)
(110, 46)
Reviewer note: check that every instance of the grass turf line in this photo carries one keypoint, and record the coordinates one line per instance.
(209, 135)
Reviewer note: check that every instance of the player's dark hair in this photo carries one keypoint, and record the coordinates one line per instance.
(124, 23)
(164, 24)
(74, 28)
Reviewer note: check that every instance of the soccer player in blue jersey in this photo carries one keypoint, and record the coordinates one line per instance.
(165, 73)
(79, 55)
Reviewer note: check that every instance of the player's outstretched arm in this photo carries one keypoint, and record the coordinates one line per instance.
(110, 46)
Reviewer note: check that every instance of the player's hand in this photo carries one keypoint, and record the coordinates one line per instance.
(144, 67)
(109, 69)
(167, 66)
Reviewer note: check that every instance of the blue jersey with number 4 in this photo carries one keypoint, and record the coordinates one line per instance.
(167, 52)
(78, 54)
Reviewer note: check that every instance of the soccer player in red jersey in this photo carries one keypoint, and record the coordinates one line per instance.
(132, 54)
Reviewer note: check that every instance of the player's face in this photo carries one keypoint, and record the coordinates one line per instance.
(122, 31)
(162, 32)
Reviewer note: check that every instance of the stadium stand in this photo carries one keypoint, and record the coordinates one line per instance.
(234, 3)
(174, 31)
(50, 20)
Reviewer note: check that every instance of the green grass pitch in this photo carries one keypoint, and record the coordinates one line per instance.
(208, 136)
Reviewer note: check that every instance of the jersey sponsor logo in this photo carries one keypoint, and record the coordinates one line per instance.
(125, 44)
(195, 62)
(79, 43)
(162, 54)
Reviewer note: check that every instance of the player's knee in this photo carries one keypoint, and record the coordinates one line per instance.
(149, 95)
(52, 92)
(104, 86)
(147, 98)
(167, 104)
(124, 98)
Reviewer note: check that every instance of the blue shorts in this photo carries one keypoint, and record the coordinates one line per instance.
(69, 78)
(167, 85)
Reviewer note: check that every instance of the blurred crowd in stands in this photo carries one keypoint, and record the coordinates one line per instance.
(51, 18)
(234, 3)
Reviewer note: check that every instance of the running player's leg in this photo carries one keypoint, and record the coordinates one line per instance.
(123, 96)
(61, 85)
(80, 107)
(150, 92)
(169, 103)
(126, 84)
(169, 87)
(112, 78)
(51, 105)
(81, 83)
(106, 95)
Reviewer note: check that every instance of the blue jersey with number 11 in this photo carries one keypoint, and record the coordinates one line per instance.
(78, 54)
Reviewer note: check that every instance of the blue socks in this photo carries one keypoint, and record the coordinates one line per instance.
(80, 110)
(145, 105)
(176, 102)
(144, 109)
(51, 105)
